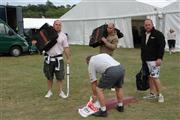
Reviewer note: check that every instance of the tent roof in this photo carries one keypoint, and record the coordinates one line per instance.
(157, 3)
(102, 9)
(174, 7)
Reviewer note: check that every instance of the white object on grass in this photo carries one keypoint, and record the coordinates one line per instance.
(89, 109)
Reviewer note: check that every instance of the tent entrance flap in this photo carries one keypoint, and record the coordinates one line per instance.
(137, 29)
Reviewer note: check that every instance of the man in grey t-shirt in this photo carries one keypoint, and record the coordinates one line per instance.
(112, 76)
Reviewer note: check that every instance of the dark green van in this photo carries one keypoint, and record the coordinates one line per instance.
(10, 41)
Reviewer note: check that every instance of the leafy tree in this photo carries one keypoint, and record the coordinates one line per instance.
(49, 4)
(73, 6)
(47, 10)
(42, 8)
(62, 6)
(68, 6)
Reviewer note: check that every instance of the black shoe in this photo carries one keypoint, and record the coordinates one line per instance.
(100, 113)
(120, 108)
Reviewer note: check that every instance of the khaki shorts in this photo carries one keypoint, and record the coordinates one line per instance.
(49, 70)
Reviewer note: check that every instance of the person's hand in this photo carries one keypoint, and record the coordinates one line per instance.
(103, 39)
(94, 98)
(68, 61)
(34, 42)
(158, 62)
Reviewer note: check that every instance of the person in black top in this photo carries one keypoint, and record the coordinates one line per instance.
(152, 51)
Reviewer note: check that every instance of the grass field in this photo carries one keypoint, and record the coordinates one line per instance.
(23, 86)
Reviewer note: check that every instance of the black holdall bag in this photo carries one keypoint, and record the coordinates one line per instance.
(142, 82)
(98, 33)
(47, 38)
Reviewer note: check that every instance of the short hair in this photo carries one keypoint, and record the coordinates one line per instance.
(149, 20)
(111, 24)
(56, 21)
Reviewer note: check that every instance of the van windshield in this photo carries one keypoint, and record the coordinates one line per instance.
(4, 29)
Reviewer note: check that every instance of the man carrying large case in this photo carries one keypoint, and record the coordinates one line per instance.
(98, 33)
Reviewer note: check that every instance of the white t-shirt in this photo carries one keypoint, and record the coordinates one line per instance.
(58, 48)
(99, 63)
(147, 36)
(171, 36)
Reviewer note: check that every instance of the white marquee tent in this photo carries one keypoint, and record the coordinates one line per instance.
(89, 14)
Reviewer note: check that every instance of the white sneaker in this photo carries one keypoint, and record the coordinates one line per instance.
(173, 51)
(113, 89)
(49, 94)
(160, 98)
(150, 96)
(62, 95)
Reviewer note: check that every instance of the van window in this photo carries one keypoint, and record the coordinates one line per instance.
(7, 30)
(2, 28)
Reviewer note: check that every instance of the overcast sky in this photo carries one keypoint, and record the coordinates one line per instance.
(35, 2)
(157, 3)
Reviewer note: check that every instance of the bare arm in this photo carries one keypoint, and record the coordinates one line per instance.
(67, 54)
(93, 86)
(112, 45)
(34, 42)
(158, 62)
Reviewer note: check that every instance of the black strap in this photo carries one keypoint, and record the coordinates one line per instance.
(59, 55)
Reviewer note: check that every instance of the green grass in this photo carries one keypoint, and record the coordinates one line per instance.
(23, 86)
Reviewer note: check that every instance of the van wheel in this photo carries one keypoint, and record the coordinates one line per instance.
(15, 51)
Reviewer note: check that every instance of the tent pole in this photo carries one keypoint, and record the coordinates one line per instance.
(163, 24)
(84, 32)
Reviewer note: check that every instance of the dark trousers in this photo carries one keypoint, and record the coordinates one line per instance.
(171, 43)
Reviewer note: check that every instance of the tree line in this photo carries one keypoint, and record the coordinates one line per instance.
(48, 10)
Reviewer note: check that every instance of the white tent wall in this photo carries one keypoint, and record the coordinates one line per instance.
(153, 18)
(169, 17)
(80, 31)
(79, 22)
(75, 31)
(105, 9)
(36, 23)
(125, 25)
(89, 14)
(172, 21)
